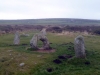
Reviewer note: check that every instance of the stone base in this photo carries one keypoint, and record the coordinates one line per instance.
(41, 50)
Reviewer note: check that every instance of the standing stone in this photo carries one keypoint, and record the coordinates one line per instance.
(33, 41)
(43, 38)
(79, 47)
(17, 38)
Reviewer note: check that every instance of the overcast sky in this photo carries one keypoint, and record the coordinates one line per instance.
(35, 9)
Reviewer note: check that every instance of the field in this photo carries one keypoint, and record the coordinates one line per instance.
(36, 63)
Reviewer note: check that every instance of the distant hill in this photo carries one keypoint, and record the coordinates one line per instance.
(52, 21)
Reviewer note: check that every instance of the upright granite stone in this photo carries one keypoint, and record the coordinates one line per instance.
(79, 47)
(46, 45)
(43, 38)
(16, 38)
(33, 41)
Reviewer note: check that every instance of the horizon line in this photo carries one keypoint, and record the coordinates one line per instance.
(49, 18)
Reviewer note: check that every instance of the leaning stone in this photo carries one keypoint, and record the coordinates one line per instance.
(33, 41)
(43, 38)
(79, 47)
(46, 45)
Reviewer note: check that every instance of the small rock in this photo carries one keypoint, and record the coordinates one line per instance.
(21, 64)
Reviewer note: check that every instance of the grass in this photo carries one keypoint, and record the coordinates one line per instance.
(42, 63)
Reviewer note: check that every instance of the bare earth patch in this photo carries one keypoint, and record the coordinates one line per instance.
(41, 50)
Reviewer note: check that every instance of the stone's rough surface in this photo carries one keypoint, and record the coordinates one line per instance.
(43, 31)
(79, 47)
(33, 41)
(17, 38)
